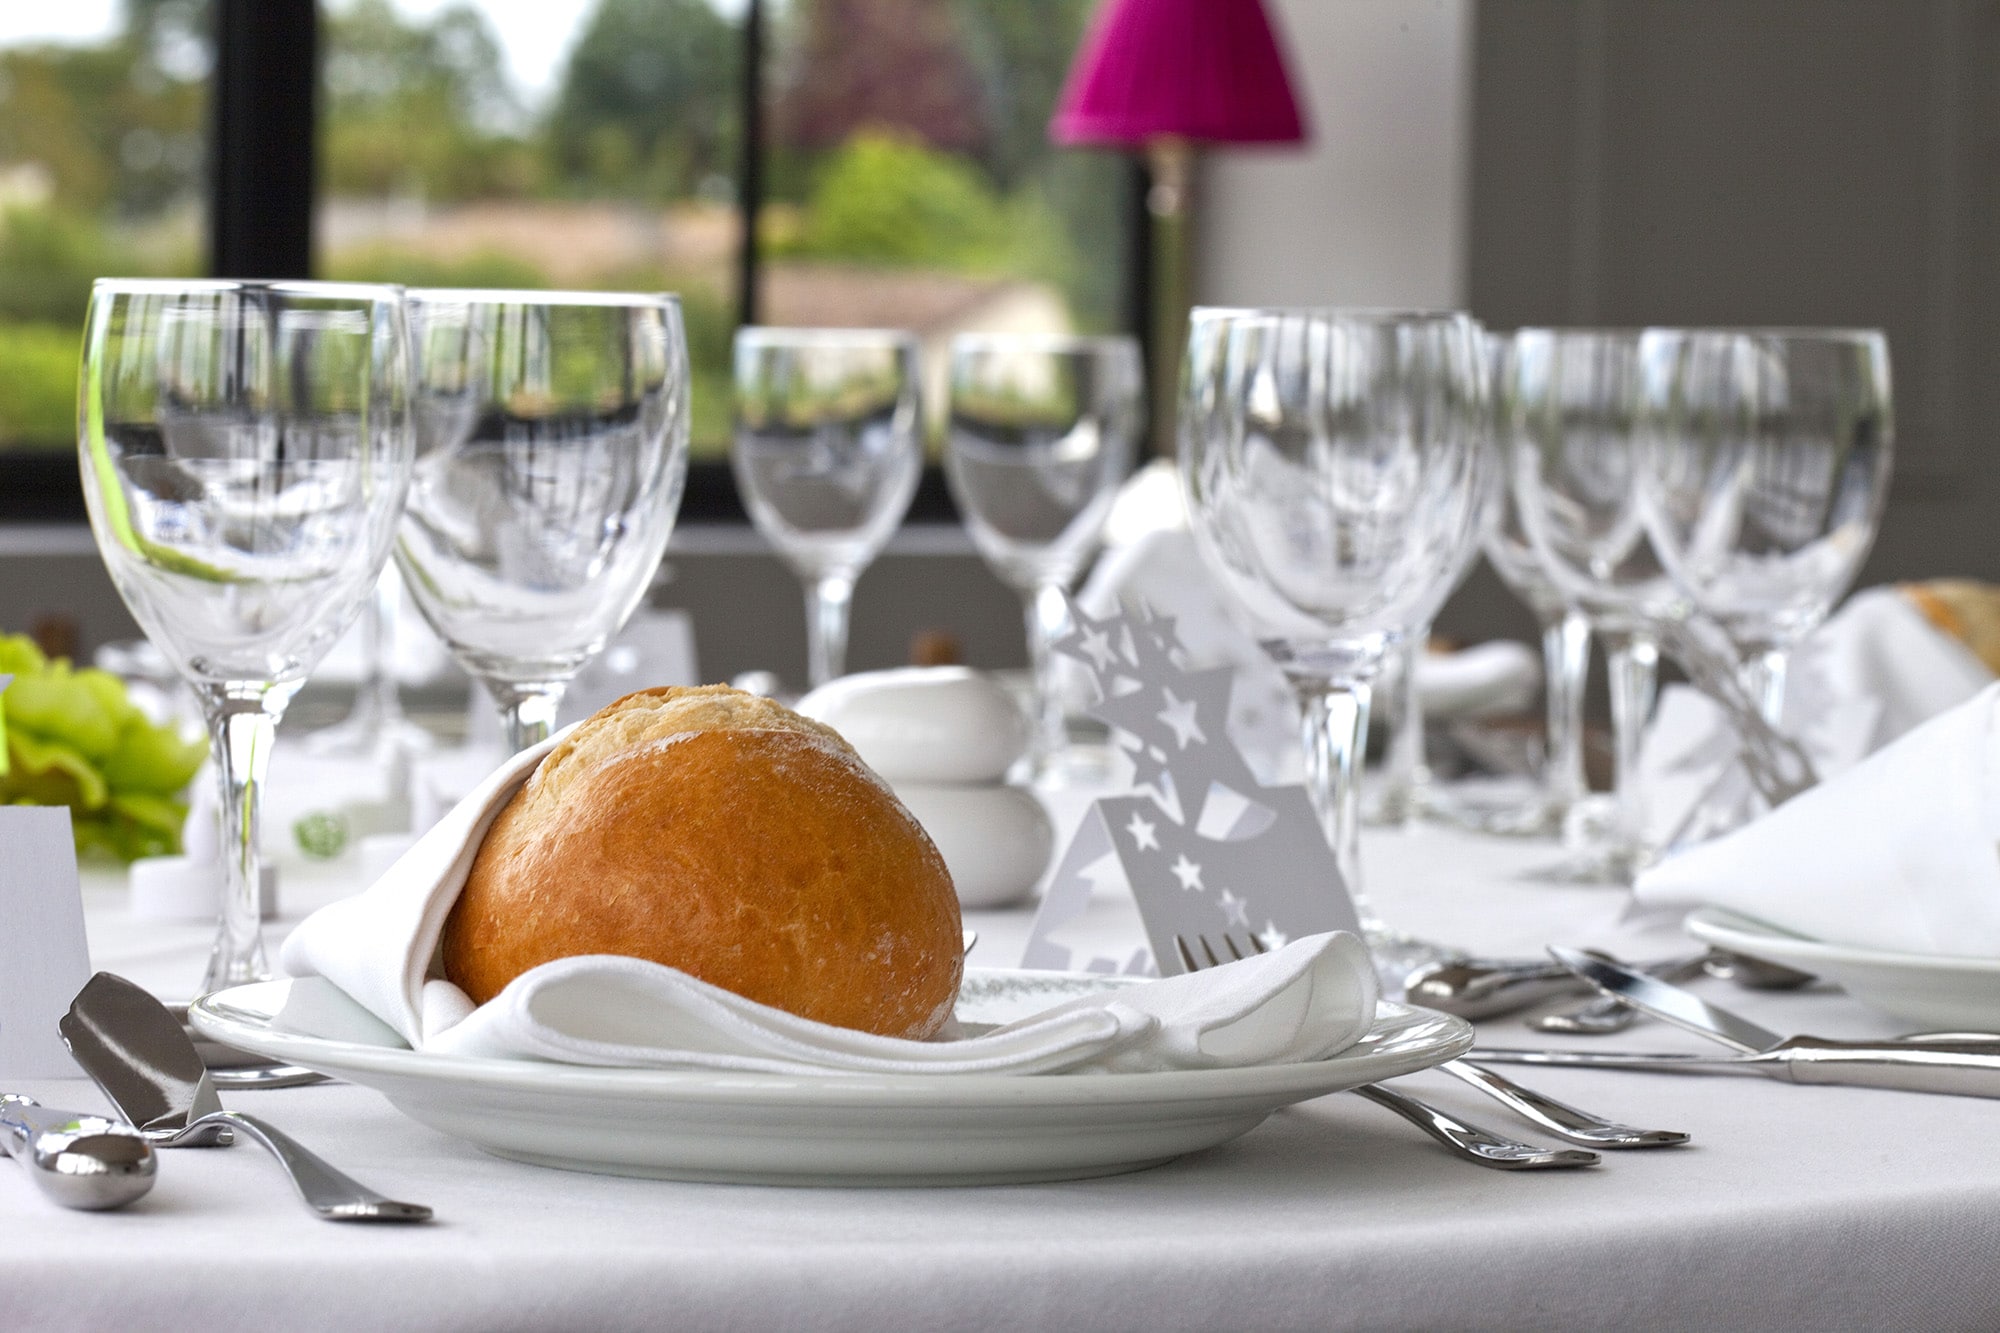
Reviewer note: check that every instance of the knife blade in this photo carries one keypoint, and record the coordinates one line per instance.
(1666, 1002)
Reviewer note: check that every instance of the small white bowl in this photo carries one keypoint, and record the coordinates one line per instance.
(925, 724)
(996, 841)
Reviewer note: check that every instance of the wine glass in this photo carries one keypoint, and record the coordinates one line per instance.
(552, 434)
(1569, 408)
(1041, 433)
(1331, 462)
(827, 454)
(1768, 455)
(1565, 667)
(245, 448)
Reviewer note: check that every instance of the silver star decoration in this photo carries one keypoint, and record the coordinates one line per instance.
(1180, 715)
(1188, 873)
(1235, 909)
(1145, 834)
(1271, 937)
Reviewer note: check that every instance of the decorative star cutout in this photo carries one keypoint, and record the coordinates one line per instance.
(1145, 834)
(1271, 937)
(1149, 763)
(1181, 715)
(1092, 641)
(1188, 873)
(1235, 909)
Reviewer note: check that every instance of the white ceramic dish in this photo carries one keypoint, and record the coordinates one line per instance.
(833, 1130)
(1932, 990)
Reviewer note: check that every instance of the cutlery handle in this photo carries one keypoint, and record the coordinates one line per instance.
(77, 1159)
(326, 1191)
(1958, 1069)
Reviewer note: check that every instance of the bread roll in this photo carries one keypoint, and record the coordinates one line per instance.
(724, 835)
(1966, 609)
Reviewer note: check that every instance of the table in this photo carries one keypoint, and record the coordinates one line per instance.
(1794, 1208)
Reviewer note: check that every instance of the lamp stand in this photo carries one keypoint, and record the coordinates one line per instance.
(1170, 162)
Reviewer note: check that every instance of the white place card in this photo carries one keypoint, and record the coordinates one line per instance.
(44, 957)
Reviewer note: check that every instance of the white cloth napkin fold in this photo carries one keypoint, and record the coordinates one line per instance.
(1900, 852)
(1306, 1001)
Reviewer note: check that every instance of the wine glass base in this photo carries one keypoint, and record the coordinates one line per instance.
(1596, 851)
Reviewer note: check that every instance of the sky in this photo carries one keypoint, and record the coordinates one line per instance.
(535, 34)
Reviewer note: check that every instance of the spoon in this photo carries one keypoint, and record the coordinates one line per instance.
(138, 1053)
(77, 1159)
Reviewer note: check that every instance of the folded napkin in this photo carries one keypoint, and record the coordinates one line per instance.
(1900, 852)
(1874, 670)
(1306, 1001)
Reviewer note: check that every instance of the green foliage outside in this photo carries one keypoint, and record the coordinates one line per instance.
(73, 738)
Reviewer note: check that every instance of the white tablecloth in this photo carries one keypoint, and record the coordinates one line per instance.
(1808, 1208)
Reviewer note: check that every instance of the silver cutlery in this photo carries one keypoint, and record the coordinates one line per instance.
(1956, 1063)
(77, 1159)
(1488, 987)
(138, 1053)
(1466, 1141)
(1605, 1014)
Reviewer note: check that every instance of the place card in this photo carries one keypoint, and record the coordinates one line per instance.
(1204, 849)
(44, 957)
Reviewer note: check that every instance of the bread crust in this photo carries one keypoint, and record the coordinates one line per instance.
(721, 834)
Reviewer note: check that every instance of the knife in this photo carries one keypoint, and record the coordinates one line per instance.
(77, 1159)
(1966, 1068)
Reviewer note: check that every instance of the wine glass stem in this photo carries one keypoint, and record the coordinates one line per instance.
(1333, 718)
(1633, 661)
(1565, 662)
(1047, 618)
(828, 598)
(1405, 774)
(527, 710)
(1764, 677)
(242, 724)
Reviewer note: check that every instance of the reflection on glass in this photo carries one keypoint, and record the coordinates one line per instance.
(1041, 432)
(827, 455)
(551, 451)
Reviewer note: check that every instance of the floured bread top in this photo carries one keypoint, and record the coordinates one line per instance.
(656, 714)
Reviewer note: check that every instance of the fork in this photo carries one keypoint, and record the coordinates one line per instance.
(1466, 1141)
(1566, 1122)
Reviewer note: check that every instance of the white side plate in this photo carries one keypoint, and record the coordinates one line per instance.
(832, 1130)
(1934, 990)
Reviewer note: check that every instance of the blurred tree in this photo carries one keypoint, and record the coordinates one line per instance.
(1019, 51)
(647, 107)
(881, 64)
(420, 108)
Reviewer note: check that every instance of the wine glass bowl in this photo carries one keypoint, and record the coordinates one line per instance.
(245, 447)
(1040, 432)
(551, 453)
(827, 454)
(1768, 460)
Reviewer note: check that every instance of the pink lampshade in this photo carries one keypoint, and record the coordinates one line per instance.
(1204, 70)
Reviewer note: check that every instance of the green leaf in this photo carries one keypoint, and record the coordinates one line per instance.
(45, 772)
(152, 759)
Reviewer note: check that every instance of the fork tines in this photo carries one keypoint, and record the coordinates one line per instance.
(1208, 956)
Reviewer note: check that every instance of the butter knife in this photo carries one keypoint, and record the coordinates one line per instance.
(77, 1159)
(1952, 1064)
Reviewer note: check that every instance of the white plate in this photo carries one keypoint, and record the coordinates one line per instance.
(1934, 990)
(825, 1130)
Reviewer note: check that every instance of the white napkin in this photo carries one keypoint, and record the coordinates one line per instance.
(1303, 1002)
(1873, 671)
(1900, 852)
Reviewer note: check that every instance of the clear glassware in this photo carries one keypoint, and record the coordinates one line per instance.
(552, 436)
(245, 449)
(828, 450)
(1565, 668)
(1332, 464)
(1769, 453)
(376, 727)
(1041, 432)
(1569, 403)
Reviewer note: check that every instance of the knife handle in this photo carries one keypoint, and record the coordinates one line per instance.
(1960, 1069)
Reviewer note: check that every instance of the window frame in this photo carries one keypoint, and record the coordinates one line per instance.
(262, 176)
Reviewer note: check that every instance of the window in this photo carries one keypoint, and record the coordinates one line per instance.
(892, 152)
(103, 154)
